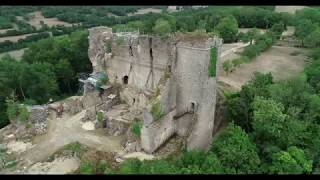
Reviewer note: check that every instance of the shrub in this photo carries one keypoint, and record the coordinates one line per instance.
(108, 46)
(251, 51)
(100, 116)
(136, 128)
(102, 166)
(243, 59)
(227, 66)
(213, 62)
(87, 167)
(156, 111)
(76, 148)
(131, 166)
(17, 111)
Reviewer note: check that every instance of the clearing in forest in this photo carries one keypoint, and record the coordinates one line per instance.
(282, 62)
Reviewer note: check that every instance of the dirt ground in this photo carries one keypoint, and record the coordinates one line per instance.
(15, 38)
(245, 30)
(276, 60)
(17, 54)
(66, 130)
(37, 17)
(289, 9)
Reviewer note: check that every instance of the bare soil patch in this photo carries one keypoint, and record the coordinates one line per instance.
(245, 30)
(37, 17)
(145, 11)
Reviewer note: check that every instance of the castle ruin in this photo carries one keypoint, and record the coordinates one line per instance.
(165, 82)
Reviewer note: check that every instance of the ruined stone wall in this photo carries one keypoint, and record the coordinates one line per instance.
(96, 51)
(175, 71)
(154, 134)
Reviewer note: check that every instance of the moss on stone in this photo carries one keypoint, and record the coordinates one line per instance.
(156, 111)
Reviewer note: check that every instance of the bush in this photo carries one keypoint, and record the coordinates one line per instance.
(75, 148)
(227, 66)
(16, 111)
(136, 128)
(108, 46)
(243, 59)
(251, 51)
(87, 167)
(100, 116)
(131, 166)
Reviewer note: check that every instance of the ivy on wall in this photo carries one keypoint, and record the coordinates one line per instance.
(213, 62)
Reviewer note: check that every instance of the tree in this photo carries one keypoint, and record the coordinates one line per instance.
(291, 93)
(235, 151)
(268, 120)
(162, 27)
(303, 28)
(228, 28)
(313, 39)
(239, 106)
(65, 74)
(252, 34)
(278, 28)
(292, 161)
(198, 162)
(313, 74)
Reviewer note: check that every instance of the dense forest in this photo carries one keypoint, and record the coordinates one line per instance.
(274, 125)
(48, 69)
(274, 128)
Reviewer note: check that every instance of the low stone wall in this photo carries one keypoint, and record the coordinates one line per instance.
(153, 135)
(115, 127)
(38, 117)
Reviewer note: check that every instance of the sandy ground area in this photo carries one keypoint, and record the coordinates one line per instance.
(277, 60)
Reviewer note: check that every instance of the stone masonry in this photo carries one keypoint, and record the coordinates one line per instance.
(166, 74)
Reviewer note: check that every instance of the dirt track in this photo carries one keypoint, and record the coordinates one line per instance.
(66, 130)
